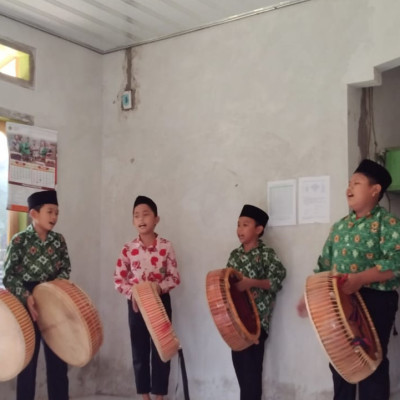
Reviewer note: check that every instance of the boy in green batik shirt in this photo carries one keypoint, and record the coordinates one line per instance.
(37, 255)
(263, 274)
(365, 246)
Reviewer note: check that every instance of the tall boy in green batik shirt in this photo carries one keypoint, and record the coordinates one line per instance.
(37, 255)
(263, 274)
(366, 245)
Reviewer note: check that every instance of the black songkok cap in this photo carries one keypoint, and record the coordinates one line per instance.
(260, 216)
(375, 171)
(40, 198)
(146, 200)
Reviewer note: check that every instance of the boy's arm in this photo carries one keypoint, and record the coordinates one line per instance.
(172, 278)
(276, 271)
(122, 268)
(64, 269)
(12, 280)
(324, 260)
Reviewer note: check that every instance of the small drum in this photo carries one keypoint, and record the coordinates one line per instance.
(344, 327)
(156, 319)
(17, 336)
(235, 313)
(68, 321)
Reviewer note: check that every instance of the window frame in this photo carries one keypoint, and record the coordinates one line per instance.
(30, 84)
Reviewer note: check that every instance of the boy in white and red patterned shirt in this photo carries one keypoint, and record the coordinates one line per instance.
(146, 258)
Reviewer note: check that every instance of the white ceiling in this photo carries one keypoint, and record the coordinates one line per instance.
(109, 25)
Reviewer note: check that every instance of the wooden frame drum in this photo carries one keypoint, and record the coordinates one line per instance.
(17, 336)
(68, 321)
(156, 319)
(235, 313)
(352, 344)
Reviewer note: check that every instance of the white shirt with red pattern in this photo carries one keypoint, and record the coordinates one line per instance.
(138, 263)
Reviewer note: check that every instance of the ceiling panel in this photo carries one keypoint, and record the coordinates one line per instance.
(109, 25)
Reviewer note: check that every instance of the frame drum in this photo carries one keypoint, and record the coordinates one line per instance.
(68, 321)
(17, 336)
(343, 326)
(235, 313)
(156, 319)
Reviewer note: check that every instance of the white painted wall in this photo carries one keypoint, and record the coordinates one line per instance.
(67, 98)
(220, 112)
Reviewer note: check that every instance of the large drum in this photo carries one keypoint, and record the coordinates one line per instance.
(235, 313)
(68, 321)
(344, 327)
(156, 319)
(17, 336)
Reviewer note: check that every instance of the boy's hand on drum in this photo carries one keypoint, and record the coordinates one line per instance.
(244, 284)
(352, 284)
(30, 302)
(302, 308)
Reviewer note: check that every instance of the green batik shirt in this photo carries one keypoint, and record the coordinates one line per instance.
(29, 259)
(260, 263)
(355, 245)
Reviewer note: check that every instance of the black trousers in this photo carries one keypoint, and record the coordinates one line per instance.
(56, 370)
(382, 307)
(144, 350)
(248, 364)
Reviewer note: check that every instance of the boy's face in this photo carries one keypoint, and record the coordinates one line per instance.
(144, 219)
(46, 218)
(247, 230)
(361, 195)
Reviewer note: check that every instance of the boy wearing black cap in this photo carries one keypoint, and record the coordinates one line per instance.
(263, 274)
(365, 247)
(38, 255)
(146, 258)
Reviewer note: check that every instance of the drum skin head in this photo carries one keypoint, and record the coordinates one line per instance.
(17, 336)
(61, 324)
(12, 347)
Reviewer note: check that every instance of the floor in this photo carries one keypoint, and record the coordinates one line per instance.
(103, 397)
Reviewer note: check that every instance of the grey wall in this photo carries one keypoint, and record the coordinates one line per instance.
(66, 98)
(219, 113)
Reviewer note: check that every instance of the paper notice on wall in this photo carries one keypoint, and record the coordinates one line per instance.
(282, 202)
(32, 162)
(314, 195)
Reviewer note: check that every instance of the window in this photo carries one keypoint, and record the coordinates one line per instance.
(16, 63)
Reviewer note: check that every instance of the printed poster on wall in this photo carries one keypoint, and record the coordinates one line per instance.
(32, 162)
(314, 195)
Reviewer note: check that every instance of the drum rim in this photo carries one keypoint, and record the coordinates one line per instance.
(165, 356)
(239, 338)
(252, 336)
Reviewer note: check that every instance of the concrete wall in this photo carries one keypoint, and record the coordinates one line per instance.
(67, 98)
(218, 114)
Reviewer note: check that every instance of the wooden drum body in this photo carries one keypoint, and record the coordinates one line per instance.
(344, 327)
(68, 321)
(235, 313)
(156, 319)
(17, 336)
